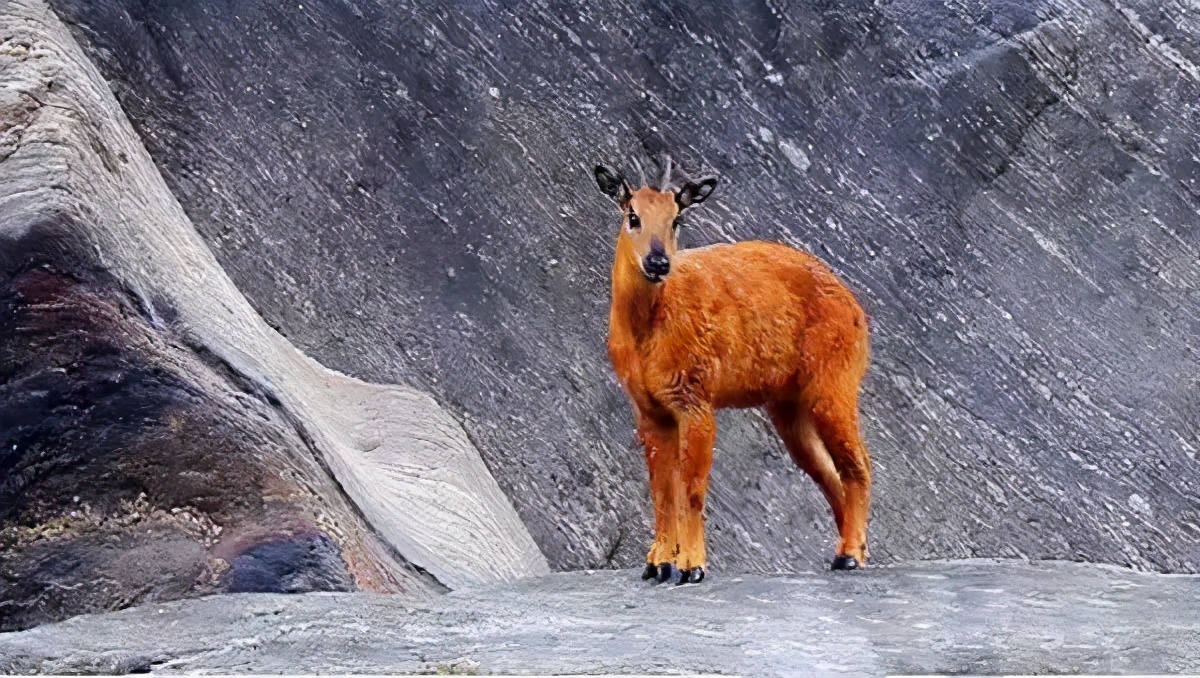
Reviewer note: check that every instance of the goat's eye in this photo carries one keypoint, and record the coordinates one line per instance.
(634, 221)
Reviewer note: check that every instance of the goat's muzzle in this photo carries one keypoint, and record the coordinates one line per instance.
(657, 264)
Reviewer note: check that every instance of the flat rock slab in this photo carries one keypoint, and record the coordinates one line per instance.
(971, 616)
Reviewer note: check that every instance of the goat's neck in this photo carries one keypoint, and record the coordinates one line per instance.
(634, 299)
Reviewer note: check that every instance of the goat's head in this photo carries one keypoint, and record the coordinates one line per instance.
(651, 215)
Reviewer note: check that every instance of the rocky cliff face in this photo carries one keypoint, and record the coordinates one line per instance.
(1013, 189)
(402, 190)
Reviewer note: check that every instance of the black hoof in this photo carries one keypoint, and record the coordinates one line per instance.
(692, 576)
(844, 562)
(651, 572)
(667, 572)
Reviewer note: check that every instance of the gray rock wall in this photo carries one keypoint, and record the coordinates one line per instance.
(402, 189)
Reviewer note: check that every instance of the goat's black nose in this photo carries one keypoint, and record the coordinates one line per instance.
(656, 265)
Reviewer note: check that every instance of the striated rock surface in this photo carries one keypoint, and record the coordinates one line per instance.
(157, 438)
(403, 190)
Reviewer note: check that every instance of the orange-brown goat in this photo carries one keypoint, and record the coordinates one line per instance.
(741, 325)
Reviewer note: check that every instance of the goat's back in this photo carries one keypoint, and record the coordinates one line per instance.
(765, 316)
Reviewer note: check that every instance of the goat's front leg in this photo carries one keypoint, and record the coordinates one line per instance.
(697, 434)
(661, 441)
(680, 458)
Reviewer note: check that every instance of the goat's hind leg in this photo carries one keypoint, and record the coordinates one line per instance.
(799, 434)
(835, 417)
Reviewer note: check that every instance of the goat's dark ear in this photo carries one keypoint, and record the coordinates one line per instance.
(695, 192)
(612, 183)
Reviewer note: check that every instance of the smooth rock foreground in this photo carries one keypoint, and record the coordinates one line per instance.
(945, 617)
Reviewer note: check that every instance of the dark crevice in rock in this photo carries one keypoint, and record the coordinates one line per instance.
(128, 473)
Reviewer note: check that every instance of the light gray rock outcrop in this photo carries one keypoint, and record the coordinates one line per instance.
(120, 321)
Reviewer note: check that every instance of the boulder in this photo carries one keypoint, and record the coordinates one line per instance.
(157, 439)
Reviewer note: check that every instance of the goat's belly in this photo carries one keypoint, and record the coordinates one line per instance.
(740, 400)
(754, 389)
